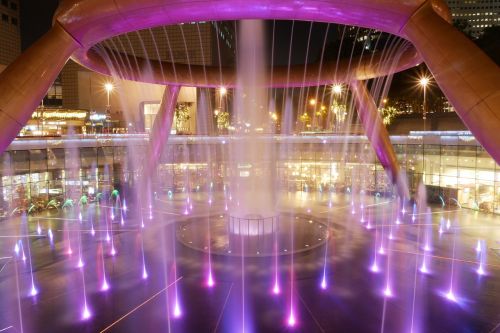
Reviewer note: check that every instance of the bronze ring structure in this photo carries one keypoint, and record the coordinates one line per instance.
(468, 78)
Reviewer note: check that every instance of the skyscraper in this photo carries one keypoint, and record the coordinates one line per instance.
(10, 35)
(473, 16)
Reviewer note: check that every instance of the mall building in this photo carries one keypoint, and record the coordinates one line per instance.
(454, 167)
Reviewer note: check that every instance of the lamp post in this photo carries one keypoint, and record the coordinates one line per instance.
(109, 88)
(424, 82)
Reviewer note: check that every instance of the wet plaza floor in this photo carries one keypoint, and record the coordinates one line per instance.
(379, 271)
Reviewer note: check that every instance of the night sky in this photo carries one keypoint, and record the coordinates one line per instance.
(36, 19)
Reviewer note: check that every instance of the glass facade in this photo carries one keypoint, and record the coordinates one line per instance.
(455, 169)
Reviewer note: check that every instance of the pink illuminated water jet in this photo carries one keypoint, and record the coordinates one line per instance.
(86, 312)
(105, 285)
(276, 288)
(177, 309)
(291, 319)
(210, 280)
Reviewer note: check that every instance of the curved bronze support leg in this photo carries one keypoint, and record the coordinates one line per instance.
(378, 136)
(162, 126)
(468, 77)
(25, 82)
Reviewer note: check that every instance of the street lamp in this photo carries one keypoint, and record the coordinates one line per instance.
(424, 82)
(337, 89)
(109, 88)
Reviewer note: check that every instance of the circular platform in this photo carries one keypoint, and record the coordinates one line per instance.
(283, 234)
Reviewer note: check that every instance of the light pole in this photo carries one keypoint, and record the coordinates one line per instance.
(424, 82)
(109, 88)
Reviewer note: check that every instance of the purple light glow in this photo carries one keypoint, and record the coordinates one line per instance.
(33, 291)
(276, 288)
(478, 246)
(86, 313)
(381, 250)
(388, 291)
(122, 221)
(451, 296)
(113, 251)
(291, 319)
(80, 263)
(105, 285)
(210, 280)
(144, 273)
(323, 283)
(38, 229)
(16, 249)
(108, 238)
(374, 267)
(92, 231)
(177, 309)
(423, 268)
(480, 270)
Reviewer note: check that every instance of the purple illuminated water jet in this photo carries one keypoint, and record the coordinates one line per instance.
(86, 312)
(177, 309)
(291, 318)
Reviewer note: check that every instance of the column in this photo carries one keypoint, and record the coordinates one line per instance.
(25, 82)
(378, 136)
(468, 77)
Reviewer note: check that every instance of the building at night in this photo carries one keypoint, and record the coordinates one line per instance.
(473, 16)
(10, 35)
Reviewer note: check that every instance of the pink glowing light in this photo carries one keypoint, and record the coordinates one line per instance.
(391, 236)
(451, 296)
(80, 263)
(186, 211)
(403, 211)
(113, 251)
(142, 224)
(210, 280)
(448, 224)
(80, 216)
(108, 238)
(51, 235)
(112, 216)
(86, 313)
(144, 273)
(38, 229)
(374, 267)
(388, 291)
(398, 222)
(441, 230)
(92, 231)
(276, 288)
(478, 246)
(122, 221)
(381, 250)
(291, 319)
(16, 249)
(24, 257)
(353, 211)
(423, 268)
(323, 283)
(33, 291)
(427, 248)
(480, 270)
(177, 310)
(105, 285)
(70, 251)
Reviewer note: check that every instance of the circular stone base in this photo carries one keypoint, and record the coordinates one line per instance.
(290, 234)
